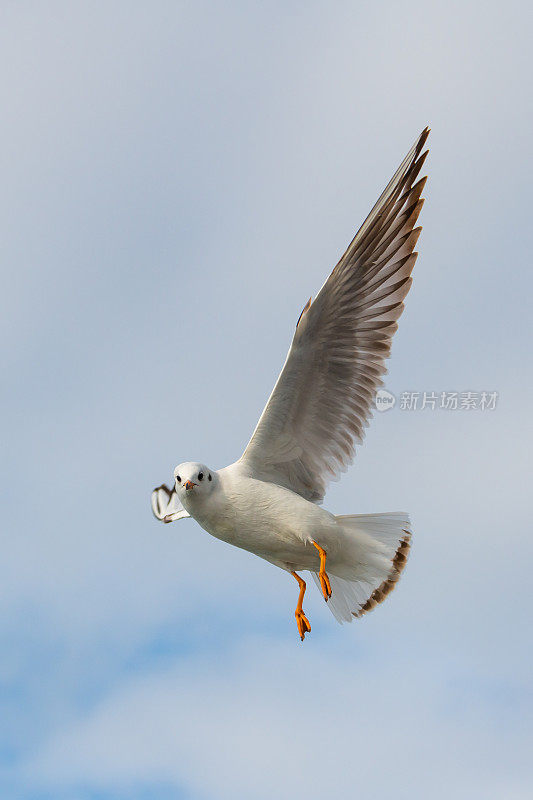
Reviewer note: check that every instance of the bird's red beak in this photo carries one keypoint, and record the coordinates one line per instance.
(189, 484)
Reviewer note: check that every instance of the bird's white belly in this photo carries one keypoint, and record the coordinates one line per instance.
(274, 543)
(270, 522)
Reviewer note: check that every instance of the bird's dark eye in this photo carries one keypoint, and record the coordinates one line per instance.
(200, 476)
(178, 478)
(209, 478)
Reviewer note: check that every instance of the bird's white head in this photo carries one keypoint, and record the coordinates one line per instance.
(193, 481)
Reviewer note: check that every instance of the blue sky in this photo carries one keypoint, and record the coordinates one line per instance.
(178, 178)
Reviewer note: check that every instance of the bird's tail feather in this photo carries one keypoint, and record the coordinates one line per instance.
(373, 555)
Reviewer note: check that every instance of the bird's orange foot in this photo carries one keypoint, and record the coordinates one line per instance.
(304, 626)
(325, 585)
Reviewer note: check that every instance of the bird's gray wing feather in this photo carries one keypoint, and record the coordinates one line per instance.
(324, 396)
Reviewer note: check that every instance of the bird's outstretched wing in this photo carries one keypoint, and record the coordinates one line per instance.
(324, 396)
(166, 505)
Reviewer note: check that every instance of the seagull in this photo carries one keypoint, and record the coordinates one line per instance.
(269, 501)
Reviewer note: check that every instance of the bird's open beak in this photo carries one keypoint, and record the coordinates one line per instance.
(189, 485)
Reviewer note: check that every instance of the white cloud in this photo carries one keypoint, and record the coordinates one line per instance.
(277, 720)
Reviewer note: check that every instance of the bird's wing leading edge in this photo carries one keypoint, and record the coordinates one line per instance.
(323, 398)
(166, 505)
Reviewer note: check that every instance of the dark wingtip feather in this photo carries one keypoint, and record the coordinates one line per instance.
(424, 137)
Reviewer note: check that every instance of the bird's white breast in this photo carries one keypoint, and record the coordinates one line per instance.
(261, 517)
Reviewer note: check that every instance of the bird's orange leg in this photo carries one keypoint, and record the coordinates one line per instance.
(322, 574)
(303, 623)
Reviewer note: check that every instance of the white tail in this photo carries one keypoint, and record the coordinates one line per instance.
(373, 555)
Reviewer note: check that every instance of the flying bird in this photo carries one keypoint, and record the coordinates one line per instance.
(268, 502)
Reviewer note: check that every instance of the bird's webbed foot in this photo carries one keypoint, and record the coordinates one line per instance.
(304, 626)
